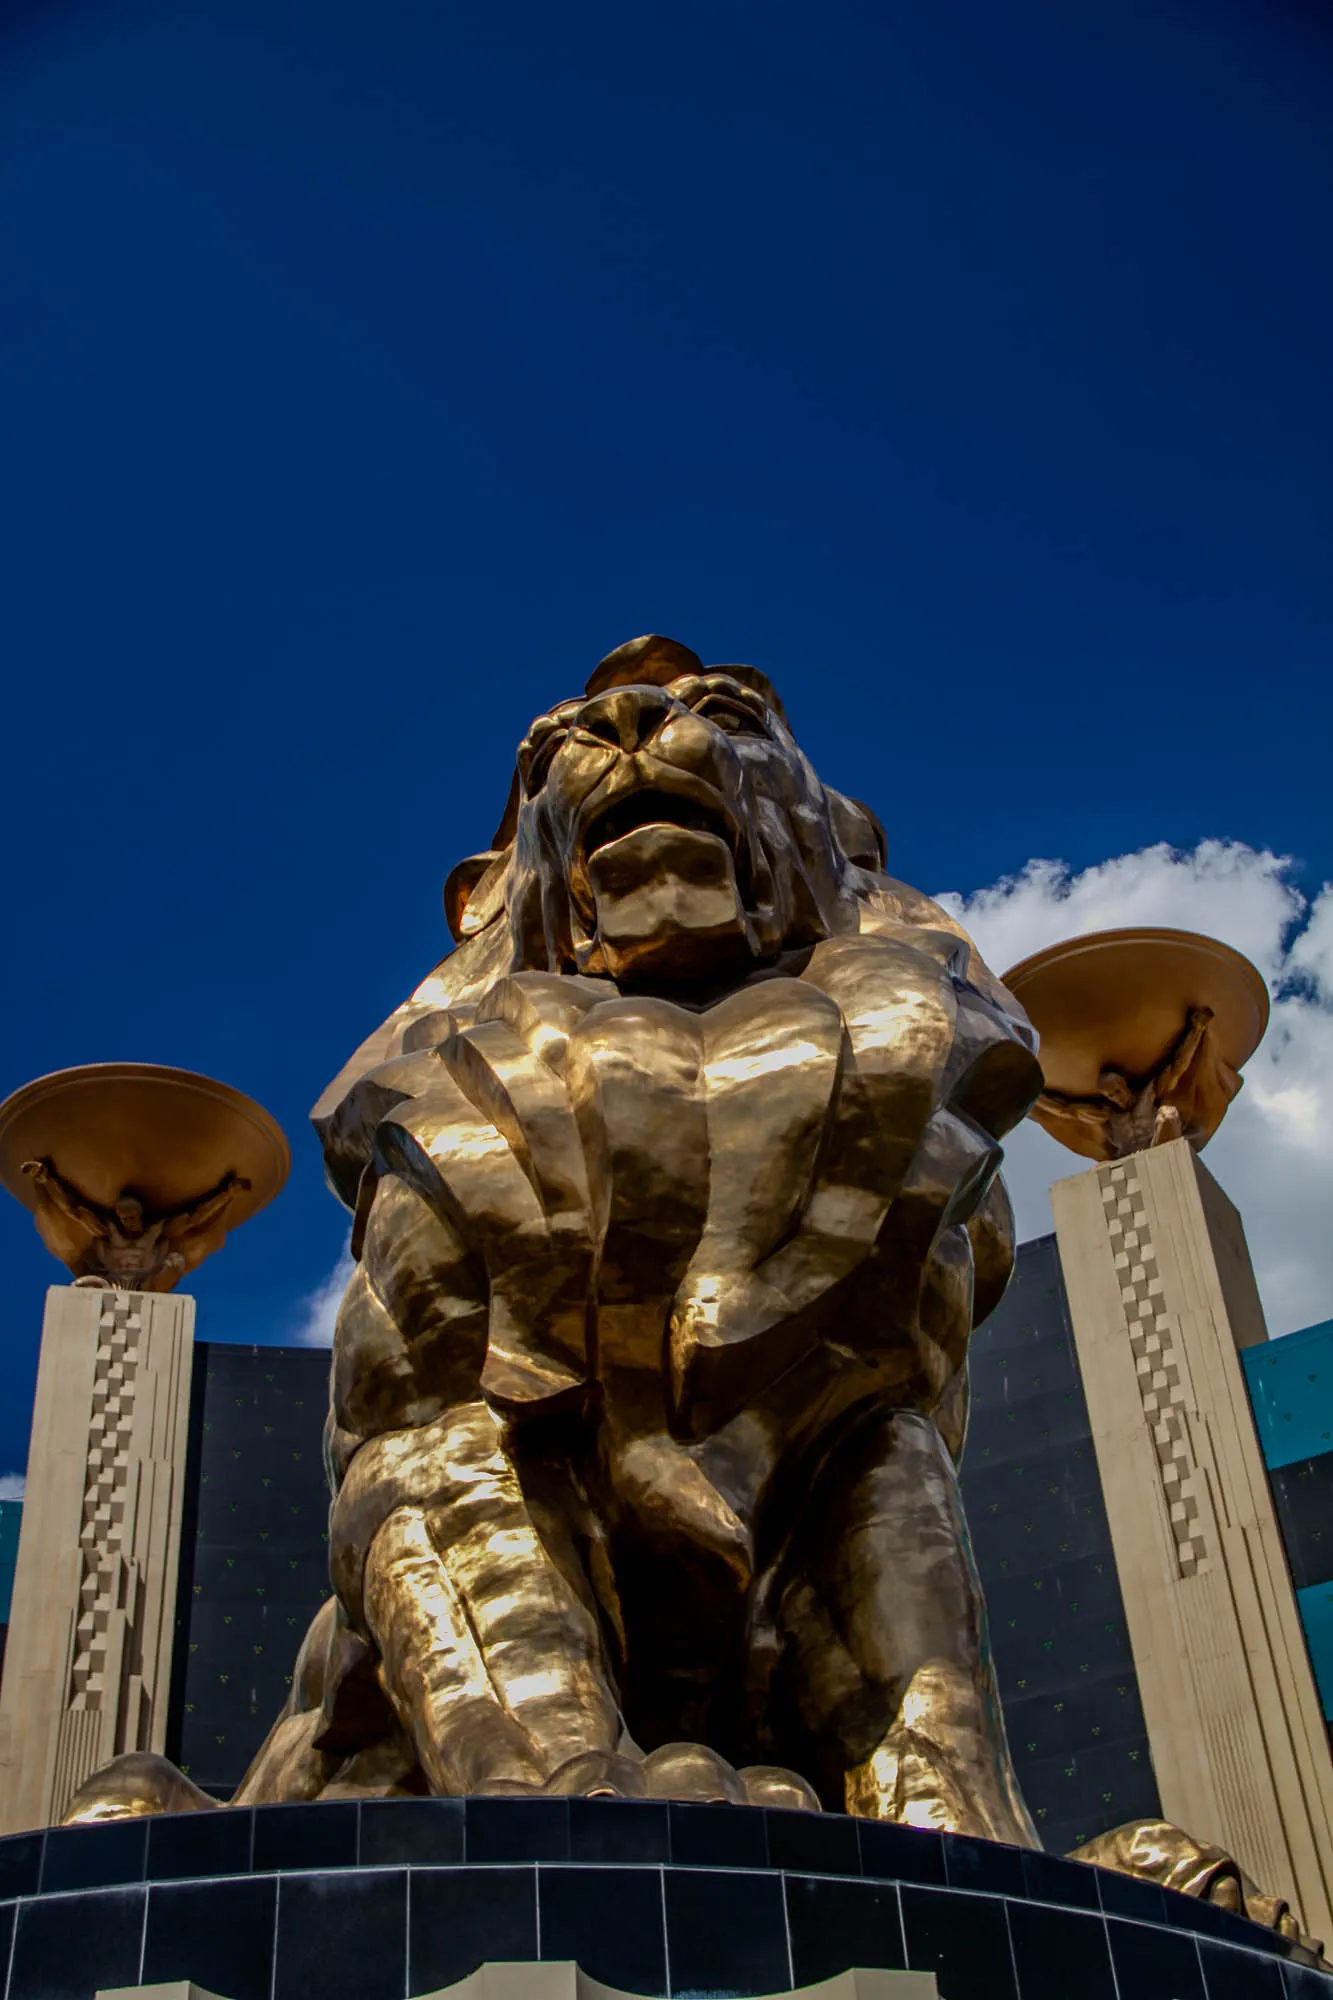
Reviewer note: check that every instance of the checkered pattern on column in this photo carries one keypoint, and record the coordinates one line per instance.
(1151, 1339)
(102, 1586)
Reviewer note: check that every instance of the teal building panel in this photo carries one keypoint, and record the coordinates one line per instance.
(1290, 1383)
(1291, 1390)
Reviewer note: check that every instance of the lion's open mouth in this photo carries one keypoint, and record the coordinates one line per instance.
(651, 808)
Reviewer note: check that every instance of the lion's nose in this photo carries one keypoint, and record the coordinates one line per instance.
(626, 716)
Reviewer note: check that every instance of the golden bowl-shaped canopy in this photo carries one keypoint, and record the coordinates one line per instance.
(1121, 1000)
(168, 1134)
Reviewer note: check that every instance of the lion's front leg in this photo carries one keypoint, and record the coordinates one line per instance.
(472, 1593)
(885, 1662)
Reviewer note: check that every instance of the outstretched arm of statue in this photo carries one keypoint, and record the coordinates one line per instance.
(1089, 1110)
(197, 1215)
(1167, 1125)
(1184, 1052)
(165, 1275)
(62, 1195)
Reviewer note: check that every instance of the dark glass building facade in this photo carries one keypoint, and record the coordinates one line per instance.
(1043, 1547)
(11, 1516)
(254, 1550)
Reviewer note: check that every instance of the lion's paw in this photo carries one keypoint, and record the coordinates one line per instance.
(683, 1771)
(597, 1774)
(132, 1786)
(772, 1785)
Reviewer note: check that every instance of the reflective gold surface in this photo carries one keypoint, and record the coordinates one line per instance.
(676, 1201)
(1143, 1034)
(133, 1787)
(135, 1173)
(1155, 1851)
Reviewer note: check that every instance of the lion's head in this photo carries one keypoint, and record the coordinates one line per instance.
(665, 829)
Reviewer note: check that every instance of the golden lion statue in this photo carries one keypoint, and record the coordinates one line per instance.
(676, 1202)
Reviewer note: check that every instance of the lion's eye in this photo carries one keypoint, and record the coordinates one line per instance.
(730, 716)
(534, 759)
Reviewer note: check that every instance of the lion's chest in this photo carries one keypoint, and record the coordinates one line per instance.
(635, 1173)
(697, 1126)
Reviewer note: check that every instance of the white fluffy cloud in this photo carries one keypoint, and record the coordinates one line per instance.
(319, 1309)
(1274, 1153)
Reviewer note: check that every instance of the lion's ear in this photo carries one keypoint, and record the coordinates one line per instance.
(474, 893)
(860, 835)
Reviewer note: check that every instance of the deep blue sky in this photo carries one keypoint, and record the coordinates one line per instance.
(368, 371)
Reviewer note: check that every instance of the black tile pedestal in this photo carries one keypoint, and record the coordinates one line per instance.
(397, 1898)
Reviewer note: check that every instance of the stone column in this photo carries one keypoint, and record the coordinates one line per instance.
(88, 1663)
(1161, 1297)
